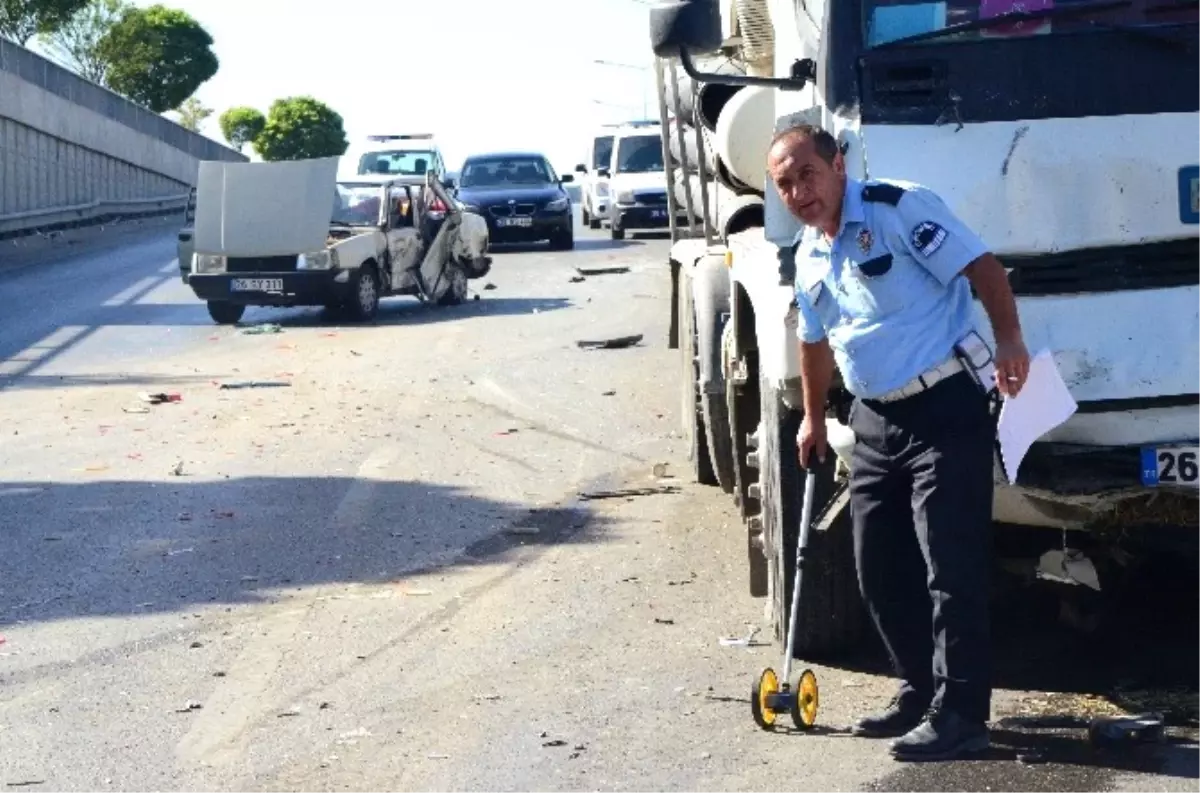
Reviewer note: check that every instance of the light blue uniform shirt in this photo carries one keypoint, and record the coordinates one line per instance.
(888, 292)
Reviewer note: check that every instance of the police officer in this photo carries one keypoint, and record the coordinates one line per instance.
(884, 273)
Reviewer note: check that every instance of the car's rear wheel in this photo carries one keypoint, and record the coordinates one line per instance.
(225, 313)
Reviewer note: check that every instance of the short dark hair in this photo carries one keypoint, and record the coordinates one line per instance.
(825, 144)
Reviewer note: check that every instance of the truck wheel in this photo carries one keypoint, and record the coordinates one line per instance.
(584, 217)
(831, 614)
(744, 416)
(225, 313)
(691, 409)
(617, 233)
(365, 301)
(593, 222)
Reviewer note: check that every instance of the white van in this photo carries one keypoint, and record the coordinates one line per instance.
(637, 180)
(594, 198)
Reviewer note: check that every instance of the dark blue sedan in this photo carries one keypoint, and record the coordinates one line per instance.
(520, 196)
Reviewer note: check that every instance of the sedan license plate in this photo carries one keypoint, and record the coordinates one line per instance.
(522, 222)
(658, 214)
(256, 285)
(1170, 465)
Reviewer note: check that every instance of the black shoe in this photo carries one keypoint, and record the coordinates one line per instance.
(901, 715)
(943, 735)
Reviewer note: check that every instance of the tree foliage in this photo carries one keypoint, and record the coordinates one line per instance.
(157, 56)
(75, 44)
(300, 128)
(192, 113)
(241, 125)
(21, 20)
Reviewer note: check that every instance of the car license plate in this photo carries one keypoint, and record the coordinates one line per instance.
(256, 285)
(658, 214)
(523, 222)
(1170, 465)
(1189, 195)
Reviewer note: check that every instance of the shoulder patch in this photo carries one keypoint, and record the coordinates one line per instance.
(882, 194)
(927, 237)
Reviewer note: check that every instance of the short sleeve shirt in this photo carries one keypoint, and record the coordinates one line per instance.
(888, 291)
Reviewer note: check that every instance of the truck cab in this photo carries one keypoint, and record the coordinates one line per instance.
(1078, 168)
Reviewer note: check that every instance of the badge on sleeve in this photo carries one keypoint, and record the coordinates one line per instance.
(927, 237)
(865, 240)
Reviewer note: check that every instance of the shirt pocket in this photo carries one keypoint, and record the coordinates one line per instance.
(820, 297)
(878, 286)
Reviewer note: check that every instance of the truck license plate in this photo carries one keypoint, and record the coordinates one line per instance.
(256, 285)
(1170, 465)
(1189, 195)
(523, 222)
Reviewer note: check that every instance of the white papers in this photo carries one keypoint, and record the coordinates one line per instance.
(1043, 404)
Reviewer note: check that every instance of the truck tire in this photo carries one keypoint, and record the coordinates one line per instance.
(364, 301)
(617, 233)
(225, 313)
(594, 222)
(691, 409)
(831, 615)
(714, 412)
(743, 474)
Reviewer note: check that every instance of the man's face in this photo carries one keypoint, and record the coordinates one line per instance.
(811, 187)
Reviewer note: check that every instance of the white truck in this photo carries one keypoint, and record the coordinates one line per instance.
(1085, 188)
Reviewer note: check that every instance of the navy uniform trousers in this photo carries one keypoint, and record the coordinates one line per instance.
(921, 501)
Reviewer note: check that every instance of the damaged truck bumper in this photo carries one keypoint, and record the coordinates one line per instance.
(314, 288)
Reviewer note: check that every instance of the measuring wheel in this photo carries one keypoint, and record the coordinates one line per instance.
(764, 691)
(804, 706)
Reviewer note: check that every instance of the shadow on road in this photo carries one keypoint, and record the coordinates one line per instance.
(582, 244)
(129, 547)
(1144, 659)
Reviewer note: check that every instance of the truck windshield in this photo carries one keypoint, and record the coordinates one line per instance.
(889, 23)
(356, 205)
(602, 155)
(639, 154)
(396, 163)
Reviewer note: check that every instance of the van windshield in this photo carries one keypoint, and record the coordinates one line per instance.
(639, 154)
(397, 163)
(602, 155)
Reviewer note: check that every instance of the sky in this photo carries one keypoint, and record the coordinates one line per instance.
(479, 74)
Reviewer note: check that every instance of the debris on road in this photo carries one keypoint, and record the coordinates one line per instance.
(189, 706)
(608, 393)
(630, 492)
(136, 409)
(603, 270)
(265, 327)
(255, 384)
(489, 286)
(745, 641)
(418, 592)
(555, 742)
(158, 399)
(195, 645)
(177, 469)
(487, 697)
(577, 279)
(287, 713)
(618, 343)
(663, 621)
(1124, 731)
(660, 471)
(683, 581)
(25, 783)
(437, 757)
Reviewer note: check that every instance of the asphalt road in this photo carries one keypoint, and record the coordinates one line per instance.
(375, 568)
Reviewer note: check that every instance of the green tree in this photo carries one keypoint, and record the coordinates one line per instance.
(21, 20)
(192, 114)
(74, 45)
(157, 56)
(301, 128)
(241, 125)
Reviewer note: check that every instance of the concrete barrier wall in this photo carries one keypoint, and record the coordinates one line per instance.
(67, 142)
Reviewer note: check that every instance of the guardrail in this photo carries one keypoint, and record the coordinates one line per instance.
(55, 218)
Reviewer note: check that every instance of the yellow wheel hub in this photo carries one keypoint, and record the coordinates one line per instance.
(807, 699)
(768, 684)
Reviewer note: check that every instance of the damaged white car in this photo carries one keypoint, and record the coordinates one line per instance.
(290, 234)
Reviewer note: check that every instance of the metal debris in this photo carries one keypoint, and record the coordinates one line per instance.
(603, 270)
(618, 343)
(255, 384)
(1118, 731)
(629, 492)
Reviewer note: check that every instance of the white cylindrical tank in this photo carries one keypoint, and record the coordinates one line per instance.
(743, 135)
(689, 146)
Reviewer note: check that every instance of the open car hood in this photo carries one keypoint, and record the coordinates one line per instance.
(264, 208)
